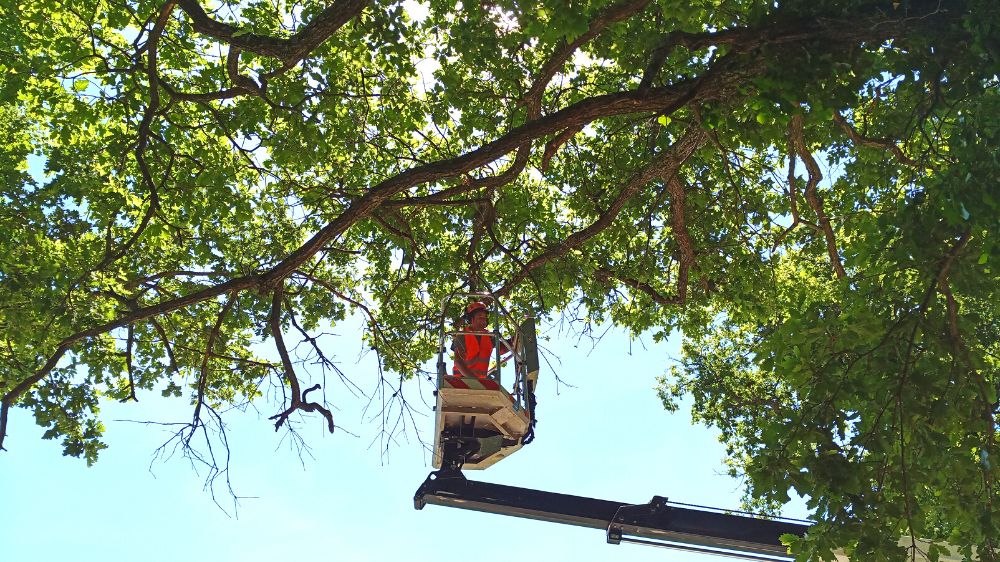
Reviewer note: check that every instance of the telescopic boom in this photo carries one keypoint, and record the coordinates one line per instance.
(658, 523)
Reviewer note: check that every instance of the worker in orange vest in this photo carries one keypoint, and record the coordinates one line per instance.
(473, 351)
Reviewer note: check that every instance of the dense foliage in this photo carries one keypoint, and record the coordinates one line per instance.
(807, 189)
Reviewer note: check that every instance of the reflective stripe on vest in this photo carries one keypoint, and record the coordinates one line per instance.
(478, 350)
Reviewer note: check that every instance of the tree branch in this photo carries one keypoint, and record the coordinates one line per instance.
(721, 82)
(678, 224)
(880, 143)
(203, 377)
(663, 166)
(603, 274)
(556, 143)
(289, 51)
(812, 196)
(128, 364)
(298, 400)
(611, 15)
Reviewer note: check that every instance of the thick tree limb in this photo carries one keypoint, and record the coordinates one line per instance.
(289, 51)
(655, 100)
(143, 140)
(942, 284)
(128, 364)
(679, 227)
(613, 14)
(533, 98)
(556, 143)
(603, 274)
(678, 223)
(485, 216)
(176, 273)
(166, 344)
(793, 192)
(240, 81)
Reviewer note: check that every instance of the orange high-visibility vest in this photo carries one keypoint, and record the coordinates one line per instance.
(478, 350)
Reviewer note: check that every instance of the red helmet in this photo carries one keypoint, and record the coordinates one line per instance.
(474, 307)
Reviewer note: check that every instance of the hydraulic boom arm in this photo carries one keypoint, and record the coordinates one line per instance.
(658, 523)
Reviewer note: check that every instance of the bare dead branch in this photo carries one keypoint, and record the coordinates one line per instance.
(203, 377)
(298, 398)
(324, 361)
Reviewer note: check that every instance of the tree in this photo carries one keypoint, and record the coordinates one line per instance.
(221, 173)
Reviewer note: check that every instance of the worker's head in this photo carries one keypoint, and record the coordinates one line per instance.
(477, 316)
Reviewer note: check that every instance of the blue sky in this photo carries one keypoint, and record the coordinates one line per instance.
(606, 437)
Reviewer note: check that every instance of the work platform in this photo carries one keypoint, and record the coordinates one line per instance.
(479, 422)
(479, 409)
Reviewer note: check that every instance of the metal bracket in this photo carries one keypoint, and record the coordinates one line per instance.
(637, 515)
(433, 483)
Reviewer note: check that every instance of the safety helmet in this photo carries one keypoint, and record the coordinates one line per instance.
(475, 307)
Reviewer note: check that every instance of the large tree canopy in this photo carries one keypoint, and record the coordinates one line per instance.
(806, 189)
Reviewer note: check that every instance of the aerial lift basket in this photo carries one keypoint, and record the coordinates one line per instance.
(478, 422)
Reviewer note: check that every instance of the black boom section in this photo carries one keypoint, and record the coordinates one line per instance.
(529, 344)
(668, 524)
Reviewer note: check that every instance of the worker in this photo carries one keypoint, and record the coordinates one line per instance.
(473, 350)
